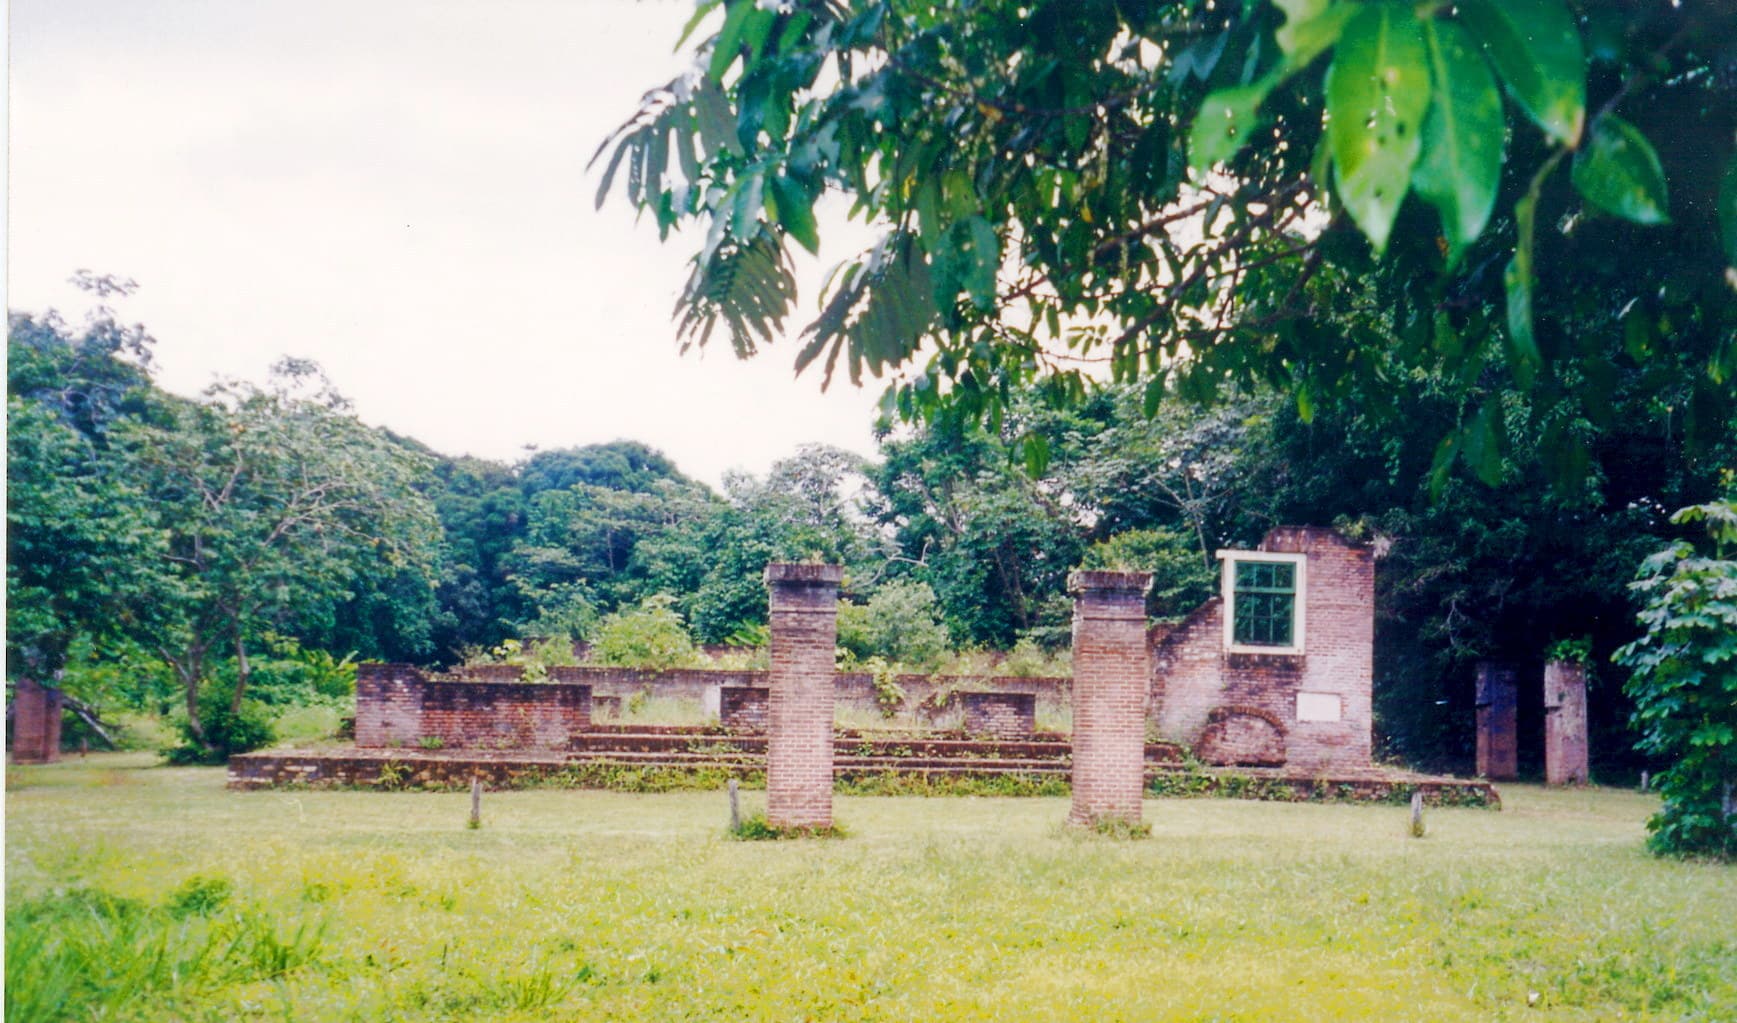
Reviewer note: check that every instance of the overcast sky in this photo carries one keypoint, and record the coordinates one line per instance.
(396, 189)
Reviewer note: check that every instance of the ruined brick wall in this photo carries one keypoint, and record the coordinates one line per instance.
(388, 705)
(1566, 746)
(1194, 674)
(1498, 722)
(745, 708)
(36, 713)
(399, 706)
(1000, 715)
(1112, 673)
(504, 715)
(804, 621)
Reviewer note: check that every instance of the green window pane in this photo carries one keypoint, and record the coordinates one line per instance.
(1266, 603)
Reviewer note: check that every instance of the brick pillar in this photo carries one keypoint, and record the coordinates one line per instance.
(1111, 672)
(1498, 722)
(804, 602)
(1565, 739)
(35, 723)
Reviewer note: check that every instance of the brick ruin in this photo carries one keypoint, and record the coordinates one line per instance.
(1111, 677)
(1285, 676)
(397, 705)
(1270, 681)
(804, 619)
(1566, 751)
(35, 723)
(1296, 696)
(1498, 709)
(1000, 715)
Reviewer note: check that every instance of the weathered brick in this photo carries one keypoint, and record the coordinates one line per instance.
(1111, 676)
(397, 705)
(1498, 722)
(745, 708)
(1566, 746)
(1193, 674)
(36, 713)
(1000, 715)
(804, 627)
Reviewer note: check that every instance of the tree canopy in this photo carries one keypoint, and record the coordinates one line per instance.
(1327, 196)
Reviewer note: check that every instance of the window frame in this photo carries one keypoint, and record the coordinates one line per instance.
(1299, 604)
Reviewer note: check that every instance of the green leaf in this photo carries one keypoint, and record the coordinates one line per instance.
(1484, 439)
(1535, 45)
(1728, 212)
(1617, 171)
(1522, 345)
(1377, 94)
(984, 249)
(1036, 449)
(795, 213)
(1226, 121)
(727, 47)
(701, 9)
(1298, 13)
(1310, 27)
(717, 123)
(1461, 163)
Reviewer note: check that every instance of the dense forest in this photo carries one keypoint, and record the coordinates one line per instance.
(206, 558)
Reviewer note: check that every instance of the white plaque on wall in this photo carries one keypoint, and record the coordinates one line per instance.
(1319, 707)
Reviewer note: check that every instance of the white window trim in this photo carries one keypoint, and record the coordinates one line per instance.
(1227, 590)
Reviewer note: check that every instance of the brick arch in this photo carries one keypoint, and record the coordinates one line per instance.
(1242, 736)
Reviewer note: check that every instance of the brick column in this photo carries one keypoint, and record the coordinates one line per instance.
(1111, 672)
(35, 723)
(804, 602)
(1498, 722)
(1565, 739)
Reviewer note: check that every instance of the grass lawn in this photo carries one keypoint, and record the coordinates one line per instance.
(135, 892)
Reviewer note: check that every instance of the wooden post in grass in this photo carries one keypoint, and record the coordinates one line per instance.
(735, 807)
(476, 801)
(1417, 814)
(1644, 779)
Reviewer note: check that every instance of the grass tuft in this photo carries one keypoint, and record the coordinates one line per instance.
(756, 828)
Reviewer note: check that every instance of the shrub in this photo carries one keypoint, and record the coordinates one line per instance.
(1181, 578)
(900, 623)
(651, 636)
(227, 731)
(1685, 686)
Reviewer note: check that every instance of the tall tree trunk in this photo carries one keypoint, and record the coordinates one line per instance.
(189, 671)
(242, 671)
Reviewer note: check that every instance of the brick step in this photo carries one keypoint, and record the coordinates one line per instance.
(695, 759)
(994, 766)
(669, 758)
(653, 742)
(853, 769)
(696, 742)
